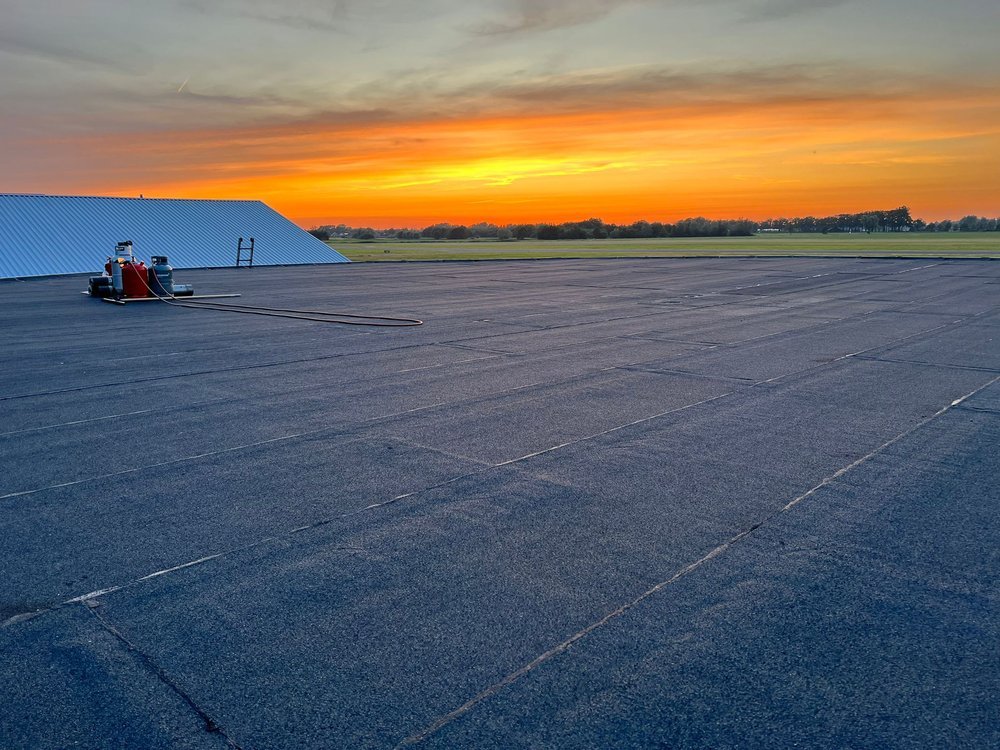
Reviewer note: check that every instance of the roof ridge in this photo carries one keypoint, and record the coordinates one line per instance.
(130, 198)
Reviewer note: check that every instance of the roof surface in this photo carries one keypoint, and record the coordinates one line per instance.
(609, 504)
(45, 235)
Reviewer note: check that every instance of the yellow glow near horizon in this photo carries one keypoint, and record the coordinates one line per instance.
(789, 157)
(498, 172)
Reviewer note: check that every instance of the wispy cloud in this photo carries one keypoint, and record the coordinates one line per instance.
(630, 88)
(526, 16)
(776, 10)
(641, 84)
(546, 15)
(309, 15)
(53, 50)
(337, 16)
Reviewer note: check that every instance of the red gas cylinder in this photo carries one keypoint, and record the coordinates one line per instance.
(134, 280)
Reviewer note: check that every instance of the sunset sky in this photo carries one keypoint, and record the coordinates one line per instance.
(392, 113)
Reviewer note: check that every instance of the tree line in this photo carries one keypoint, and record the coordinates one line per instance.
(895, 220)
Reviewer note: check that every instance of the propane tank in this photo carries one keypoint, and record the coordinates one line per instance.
(134, 279)
(116, 277)
(161, 277)
(123, 254)
(124, 250)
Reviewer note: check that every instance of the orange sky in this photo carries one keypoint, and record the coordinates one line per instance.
(518, 120)
(754, 159)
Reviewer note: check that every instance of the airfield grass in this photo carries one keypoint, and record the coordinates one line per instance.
(895, 245)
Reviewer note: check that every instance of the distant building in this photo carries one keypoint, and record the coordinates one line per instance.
(46, 235)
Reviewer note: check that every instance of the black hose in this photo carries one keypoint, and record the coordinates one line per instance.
(279, 312)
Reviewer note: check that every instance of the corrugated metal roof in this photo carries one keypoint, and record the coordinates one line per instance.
(42, 235)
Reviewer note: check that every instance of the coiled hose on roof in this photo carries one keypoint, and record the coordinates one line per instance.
(318, 316)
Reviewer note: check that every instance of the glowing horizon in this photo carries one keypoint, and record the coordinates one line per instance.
(514, 120)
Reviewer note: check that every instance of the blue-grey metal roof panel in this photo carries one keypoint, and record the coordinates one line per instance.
(44, 235)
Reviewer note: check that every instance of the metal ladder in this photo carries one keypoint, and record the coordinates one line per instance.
(244, 254)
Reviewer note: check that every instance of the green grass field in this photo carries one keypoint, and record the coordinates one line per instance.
(912, 245)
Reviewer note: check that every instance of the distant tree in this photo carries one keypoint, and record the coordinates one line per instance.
(699, 226)
(436, 231)
(549, 232)
(805, 224)
(829, 224)
(483, 229)
(643, 229)
(743, 228)
(895, 220)
(968, 224)
(899, 219)
(594, 228)
(338, 230)
(523, 231)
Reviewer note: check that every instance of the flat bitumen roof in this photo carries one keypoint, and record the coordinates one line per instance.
(630, 503)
